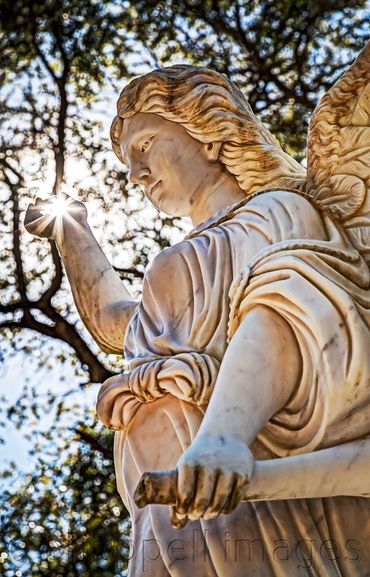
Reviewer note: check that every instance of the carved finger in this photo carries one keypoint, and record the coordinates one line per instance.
(177, 521)
(237, 493)
(206, 483)
(37, 223)
(39, 201)
(221, 496)
(45, 225)
(186, 487)
(32, 213)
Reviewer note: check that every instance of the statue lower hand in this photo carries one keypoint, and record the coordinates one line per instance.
(48, 218)
(213, 474)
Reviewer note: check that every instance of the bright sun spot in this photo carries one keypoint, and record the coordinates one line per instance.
(57, 206)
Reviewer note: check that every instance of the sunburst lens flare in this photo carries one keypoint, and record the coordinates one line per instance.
(58, 206)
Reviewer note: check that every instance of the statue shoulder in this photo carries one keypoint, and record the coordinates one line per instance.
(284, 196)
(295, 204)
(171, 258)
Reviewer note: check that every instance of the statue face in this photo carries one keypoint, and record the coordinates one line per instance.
(166, 161)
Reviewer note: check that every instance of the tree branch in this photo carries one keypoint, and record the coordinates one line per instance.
(61, 81)
(21, 285)
(94, 443)
(220, 26)
(65, 332)
(15, 306)
(39, 51)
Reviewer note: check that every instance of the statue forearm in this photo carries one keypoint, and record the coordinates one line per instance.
(338, 471)
(104, 304)
(253, 384)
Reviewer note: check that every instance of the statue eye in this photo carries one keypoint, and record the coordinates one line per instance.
(146, 144)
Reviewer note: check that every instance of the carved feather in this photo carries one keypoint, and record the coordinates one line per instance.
(338, 158)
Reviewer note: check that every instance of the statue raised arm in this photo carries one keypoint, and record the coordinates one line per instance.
(104, 304)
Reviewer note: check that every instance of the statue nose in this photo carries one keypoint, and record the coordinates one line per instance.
(139, 175)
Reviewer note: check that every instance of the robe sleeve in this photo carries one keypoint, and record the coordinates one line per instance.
(171, 345)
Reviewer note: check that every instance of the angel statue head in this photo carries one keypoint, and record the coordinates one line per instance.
(213, 111)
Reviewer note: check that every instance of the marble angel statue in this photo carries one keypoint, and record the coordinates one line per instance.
(249, 352)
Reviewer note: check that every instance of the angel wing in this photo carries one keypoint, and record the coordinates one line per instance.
(338, 159)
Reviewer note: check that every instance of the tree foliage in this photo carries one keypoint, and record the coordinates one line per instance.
(283, 54)
(67, 519)
(62, 63)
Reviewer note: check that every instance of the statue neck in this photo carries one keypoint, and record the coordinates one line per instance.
(214, 196)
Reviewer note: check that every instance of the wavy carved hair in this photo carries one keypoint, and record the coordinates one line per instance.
(212, 109)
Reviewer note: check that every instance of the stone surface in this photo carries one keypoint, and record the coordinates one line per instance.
(249, 363)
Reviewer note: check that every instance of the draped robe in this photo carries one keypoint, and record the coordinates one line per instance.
(277, 249)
